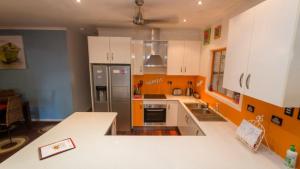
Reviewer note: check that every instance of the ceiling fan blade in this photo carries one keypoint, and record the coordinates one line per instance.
(166, 20)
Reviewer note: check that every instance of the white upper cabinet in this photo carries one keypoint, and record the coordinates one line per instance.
(120, 50)
(138, 60)
(183, 57)
(238, 48)
(192, 57)
(273, 36)
(115, 50)
(273, 54)
(175, 57)
(98, 49)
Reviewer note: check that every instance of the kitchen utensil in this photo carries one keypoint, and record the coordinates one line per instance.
(189, 89)
(177, 92)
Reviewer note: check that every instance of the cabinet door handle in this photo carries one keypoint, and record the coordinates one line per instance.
(168, 107)
(197, 132)
(241, 80)
(112, 56)
(107, 56)
(185, 118)
(185, 69)
(181, 69)
(248, 81)
(141, 69)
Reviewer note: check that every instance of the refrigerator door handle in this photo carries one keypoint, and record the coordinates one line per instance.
(110, 86)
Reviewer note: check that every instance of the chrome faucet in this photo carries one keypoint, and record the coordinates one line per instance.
(206, 106)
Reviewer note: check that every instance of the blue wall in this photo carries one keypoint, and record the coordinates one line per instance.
(46, 82)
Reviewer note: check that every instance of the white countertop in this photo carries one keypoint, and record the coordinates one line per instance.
(217, 150)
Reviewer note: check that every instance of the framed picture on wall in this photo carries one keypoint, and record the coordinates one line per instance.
(12, 52)
(207, 34)
(218, 32)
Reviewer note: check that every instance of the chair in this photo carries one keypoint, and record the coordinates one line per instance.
(13, 114)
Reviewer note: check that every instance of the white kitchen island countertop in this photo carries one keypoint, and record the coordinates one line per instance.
(217, 150)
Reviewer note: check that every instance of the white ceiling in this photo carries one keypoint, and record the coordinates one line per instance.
(116, 12)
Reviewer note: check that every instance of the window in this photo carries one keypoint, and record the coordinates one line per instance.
(217, 74)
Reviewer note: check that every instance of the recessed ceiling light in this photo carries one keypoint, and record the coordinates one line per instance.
(199, 2)
(78, 1)
(184, 20)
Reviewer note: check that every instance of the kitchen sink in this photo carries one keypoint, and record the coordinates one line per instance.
(203, 113)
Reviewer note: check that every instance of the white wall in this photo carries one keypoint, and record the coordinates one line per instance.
(78, 59)
(144, 34)
(206, 57)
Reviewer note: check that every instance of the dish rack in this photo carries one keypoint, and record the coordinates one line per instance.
(258, 122)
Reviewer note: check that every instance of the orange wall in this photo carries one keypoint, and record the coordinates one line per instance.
(279, 138)
(163, 87)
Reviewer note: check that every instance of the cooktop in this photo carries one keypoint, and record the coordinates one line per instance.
(155, 96)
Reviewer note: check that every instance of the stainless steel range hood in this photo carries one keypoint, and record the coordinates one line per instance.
(155, 50)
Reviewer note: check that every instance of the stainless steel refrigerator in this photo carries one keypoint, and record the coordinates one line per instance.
(112, 92)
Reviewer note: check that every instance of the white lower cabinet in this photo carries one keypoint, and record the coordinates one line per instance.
(186, 125)
(172, 111)
(181, 120)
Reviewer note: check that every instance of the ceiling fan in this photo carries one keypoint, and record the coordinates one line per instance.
(138, 19)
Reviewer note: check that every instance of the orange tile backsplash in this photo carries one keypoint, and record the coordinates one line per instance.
(279, 138)
(162, 86)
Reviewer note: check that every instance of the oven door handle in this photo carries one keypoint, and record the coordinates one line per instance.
(155, 110)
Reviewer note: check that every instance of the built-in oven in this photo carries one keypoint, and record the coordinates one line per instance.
(155, 114)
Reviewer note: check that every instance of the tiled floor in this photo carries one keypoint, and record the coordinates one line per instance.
(153, 131)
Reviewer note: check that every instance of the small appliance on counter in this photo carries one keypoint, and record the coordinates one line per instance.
(189, 89)
(177, 92)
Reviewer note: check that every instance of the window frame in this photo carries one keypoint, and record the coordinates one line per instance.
(213, 52)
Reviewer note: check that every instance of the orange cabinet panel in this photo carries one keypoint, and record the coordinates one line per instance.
(138, 113)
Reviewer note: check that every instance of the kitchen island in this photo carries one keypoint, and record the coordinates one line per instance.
(219, 149)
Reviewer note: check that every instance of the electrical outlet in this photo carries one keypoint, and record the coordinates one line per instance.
(250, 108)
(277, 120)
(289, 111)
